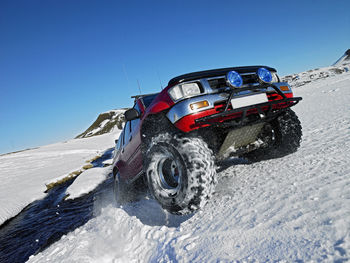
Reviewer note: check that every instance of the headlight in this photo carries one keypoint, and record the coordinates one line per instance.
(184, 90)
(233, 79)
(264, 75)
(275, 77)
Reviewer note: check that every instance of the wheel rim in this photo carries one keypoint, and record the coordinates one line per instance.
(169, 175)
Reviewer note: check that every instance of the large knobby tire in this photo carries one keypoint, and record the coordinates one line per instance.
(282, 137)
(180, 172)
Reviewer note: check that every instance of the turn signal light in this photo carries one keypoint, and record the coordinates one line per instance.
(284, 88)
(199, 105)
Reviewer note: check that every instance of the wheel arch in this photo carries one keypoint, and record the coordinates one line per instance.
(152, 125)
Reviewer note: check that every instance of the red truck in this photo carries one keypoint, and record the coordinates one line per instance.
(171, 140)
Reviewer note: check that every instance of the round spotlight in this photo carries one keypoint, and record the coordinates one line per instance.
(264, 75)
(234, 80)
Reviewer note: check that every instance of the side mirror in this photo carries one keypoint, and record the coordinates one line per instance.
(131, 114)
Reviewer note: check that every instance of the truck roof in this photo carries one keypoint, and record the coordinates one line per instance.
(143, 95)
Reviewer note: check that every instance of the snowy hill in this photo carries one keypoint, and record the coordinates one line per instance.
(300, 79)
(291, 209)
(106, 122)
(345, 59)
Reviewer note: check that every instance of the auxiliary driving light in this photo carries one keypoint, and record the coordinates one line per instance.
(233, 79)
(264, 75)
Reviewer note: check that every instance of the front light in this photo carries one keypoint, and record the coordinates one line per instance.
(284, 88)
(199, 105)
(184, 90)
(264, 75)
(275, 77)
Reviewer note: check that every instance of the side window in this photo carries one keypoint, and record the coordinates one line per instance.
(127, 133)
(136, 107)
(135, 122)
(119, 142)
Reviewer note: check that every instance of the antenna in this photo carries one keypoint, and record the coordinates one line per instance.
(126, 75)
(138, 83)
(160, 82)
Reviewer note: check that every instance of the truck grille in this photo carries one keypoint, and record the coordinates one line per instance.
(249, 79)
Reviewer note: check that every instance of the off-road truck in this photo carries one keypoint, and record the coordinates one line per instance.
(172, 139)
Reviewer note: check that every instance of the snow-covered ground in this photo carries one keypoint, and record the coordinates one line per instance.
(87, 181)
(24, 175)
(302, 78)
(295, 208)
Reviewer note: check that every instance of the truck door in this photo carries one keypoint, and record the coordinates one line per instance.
(131, 152)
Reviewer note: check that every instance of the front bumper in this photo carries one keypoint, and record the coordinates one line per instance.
(219, 111)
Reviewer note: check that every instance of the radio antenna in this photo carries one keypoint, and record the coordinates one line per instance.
(126, 75)
(138, 84)
(160, 82)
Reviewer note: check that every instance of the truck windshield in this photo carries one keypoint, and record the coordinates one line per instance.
(147, 100)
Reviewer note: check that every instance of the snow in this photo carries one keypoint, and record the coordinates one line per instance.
(114, 117)
(100, 127)
(87, 181)
(115, 112)
(295, 208)
(300, 79)
(345, 59)
(24, 174)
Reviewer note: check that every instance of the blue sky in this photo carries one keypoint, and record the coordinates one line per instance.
(63, 62)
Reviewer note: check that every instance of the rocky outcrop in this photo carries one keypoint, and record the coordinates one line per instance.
(106, 122)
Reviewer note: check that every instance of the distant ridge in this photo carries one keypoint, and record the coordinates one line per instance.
(344, 59)
(106, 122)
(302, 78)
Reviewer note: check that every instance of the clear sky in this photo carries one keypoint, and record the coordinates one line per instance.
(62, 62)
